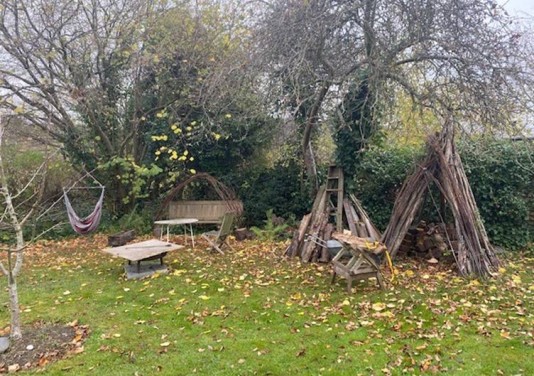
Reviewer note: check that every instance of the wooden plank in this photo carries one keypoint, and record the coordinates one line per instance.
(360, 226)
(350, 219)
(318, 247)
(309, 246)
(298, 237)
(204, 211)
(371, 229)
(340, 196)
(291, 251)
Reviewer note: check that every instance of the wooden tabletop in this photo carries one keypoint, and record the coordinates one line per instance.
(177, 221)
(142, 250)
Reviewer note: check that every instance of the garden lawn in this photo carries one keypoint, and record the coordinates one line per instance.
(254, 312)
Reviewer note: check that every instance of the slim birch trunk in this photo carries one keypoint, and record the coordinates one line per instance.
(16, 255)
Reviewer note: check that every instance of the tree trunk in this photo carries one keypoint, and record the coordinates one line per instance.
(311, 123)
(14, 308)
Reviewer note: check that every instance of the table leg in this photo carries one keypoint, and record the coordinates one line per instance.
(192, 237)
(168, 233)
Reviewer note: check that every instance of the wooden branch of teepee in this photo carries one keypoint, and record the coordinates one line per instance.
(406, 207)
(443, 166)
(309, 241)
(475, 255)
(310, 224)
(359, 212)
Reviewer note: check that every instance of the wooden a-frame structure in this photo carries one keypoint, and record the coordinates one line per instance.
(442, 166)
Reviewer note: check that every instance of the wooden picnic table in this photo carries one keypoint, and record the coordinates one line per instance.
(147, 250)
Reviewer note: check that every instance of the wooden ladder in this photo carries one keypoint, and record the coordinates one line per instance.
(334, 187)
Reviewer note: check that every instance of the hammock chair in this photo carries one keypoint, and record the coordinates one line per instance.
(88, 224)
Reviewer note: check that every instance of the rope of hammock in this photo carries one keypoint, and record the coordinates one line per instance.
(88, 224)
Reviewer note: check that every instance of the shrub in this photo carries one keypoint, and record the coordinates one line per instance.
(380, 176)
(501, 174)
(278, 188)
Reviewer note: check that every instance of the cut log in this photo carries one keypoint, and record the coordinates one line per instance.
(121, 238)
(298, 237)
(309, 246)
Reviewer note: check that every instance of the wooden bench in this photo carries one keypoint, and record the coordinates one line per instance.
(205, 211)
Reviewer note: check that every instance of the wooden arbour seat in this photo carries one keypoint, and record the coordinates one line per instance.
(207, 212)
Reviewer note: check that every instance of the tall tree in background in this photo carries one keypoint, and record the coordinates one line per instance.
(463, 57)
(355, 127)
(111, 80)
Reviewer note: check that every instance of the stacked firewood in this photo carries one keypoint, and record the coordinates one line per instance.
(429, 241)
(309, 241)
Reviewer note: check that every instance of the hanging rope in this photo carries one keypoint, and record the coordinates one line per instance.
(88, 224)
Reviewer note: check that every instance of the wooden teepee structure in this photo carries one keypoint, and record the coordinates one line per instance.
(332, 210)
(442, 166)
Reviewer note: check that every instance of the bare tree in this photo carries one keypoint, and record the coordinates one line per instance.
(465, 57)
(16, 221)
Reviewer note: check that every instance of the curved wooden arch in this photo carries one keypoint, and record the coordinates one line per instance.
(225, 193)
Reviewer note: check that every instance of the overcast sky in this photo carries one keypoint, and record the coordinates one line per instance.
(517, 6)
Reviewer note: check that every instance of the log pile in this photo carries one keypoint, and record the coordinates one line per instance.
(309, 241)
(429, 241)
(442, 166)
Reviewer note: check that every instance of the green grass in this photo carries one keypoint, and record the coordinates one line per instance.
(252, 312)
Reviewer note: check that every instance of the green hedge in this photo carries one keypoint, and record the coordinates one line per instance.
(278, 188)
(381, 174)
(502, 179)
(501, 174)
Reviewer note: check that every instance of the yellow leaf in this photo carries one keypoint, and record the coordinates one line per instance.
(378, 306)
(505, 334)
(345, 302)
(204, 297)
(165, 344)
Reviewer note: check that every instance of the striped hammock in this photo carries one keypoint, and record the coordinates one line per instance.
(88, 224)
